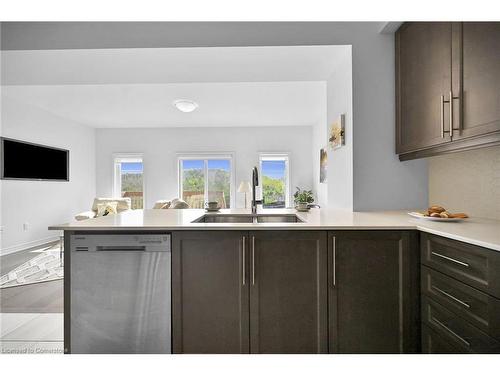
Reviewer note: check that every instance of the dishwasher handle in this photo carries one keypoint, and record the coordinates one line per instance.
(121, 248)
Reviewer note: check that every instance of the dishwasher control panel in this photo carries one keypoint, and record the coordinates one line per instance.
(120, 242)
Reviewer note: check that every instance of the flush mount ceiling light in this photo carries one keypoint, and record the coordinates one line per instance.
(185, 105)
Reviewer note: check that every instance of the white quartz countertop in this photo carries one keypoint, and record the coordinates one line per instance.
(481, 232)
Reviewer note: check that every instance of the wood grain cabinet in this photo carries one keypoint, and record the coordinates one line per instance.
(288, 292)
(241, 292)
(479, 86)
(433, 343)
(473, 265)
(460, 296)
(424, 77)
(373, 292)
(447, 87)
(210, 296)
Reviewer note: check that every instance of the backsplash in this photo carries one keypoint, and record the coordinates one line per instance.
(467, 182)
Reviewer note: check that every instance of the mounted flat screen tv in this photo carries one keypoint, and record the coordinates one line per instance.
(30, 161)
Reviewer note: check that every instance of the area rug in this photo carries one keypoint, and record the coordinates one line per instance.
(46, 266)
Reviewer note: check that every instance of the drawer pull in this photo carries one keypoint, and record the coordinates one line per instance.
(451, 297)
(243, 260)
(334, 265)
(449, 330)
(450, 259)
(253, 260)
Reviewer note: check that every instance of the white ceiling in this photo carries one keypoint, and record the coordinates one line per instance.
(220, 104)
(168, 65)
(234, 86)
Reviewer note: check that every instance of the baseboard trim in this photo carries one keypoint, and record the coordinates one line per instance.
(27, 245)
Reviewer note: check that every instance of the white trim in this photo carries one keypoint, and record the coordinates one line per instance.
(27, 245)
(130, 157)
(205, 156)
(279, 156)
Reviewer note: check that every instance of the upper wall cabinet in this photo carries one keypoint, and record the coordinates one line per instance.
(447, 87)
(480, 84)
(424, 77)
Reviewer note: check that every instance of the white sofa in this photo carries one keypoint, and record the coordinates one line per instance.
(175, 204)
(123, 204)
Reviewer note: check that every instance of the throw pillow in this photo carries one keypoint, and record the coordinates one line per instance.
(178, 204)
(161, 204)
(104, 209)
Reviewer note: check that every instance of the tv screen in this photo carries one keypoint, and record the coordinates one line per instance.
(29, 161)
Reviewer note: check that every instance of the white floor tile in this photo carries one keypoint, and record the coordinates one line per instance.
(44, 327)
(12, 321)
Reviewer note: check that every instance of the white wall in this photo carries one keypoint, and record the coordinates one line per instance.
(318, 142)
(43, 203)
(160, 148)
(339, 101)
(380, 180)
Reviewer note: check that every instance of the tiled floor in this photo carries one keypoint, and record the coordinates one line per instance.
(31, 333)
(31, 316)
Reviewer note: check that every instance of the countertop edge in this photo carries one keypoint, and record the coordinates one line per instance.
(268, 226)
(456, 237)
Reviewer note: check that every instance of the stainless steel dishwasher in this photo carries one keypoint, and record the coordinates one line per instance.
(120, 293)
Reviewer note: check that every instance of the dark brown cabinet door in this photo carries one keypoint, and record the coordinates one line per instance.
(433, 343)
(423, 75)
(374, 292)
(288, 292)
(480, 90)
(210, 311)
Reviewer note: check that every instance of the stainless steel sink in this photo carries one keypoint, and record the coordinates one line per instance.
(277, 219)
(225, 219)
(262, 218)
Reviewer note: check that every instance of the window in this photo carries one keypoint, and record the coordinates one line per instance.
(129, 179)
(206, 179)
(275, 180)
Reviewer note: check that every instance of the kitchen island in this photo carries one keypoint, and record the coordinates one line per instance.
(476, 231)
(324, 281)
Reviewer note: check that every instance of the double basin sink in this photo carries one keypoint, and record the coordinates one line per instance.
(246, 218)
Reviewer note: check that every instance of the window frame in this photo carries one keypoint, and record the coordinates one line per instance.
(277, 156)
(205, 156)
(118, 158)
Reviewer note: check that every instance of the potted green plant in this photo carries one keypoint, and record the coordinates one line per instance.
(302, 198)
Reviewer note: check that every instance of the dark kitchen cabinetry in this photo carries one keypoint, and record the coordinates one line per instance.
(460, 296)
(424, 75)
(447, 87)
(480, 84)
(288, 292)
(433, 343)
(209, 292)
(240, 292)
(373, 292)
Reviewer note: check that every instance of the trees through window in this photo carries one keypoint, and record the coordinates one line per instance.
(206, 179)
(274, 172)
(129, 179)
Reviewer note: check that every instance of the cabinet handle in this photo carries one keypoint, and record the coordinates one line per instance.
(450, 259)
(442, 115)
(449, 330)
(450, 101)
(244, 272)
(253, 260)
(451, 296)
(451, 114)
(334, 255)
